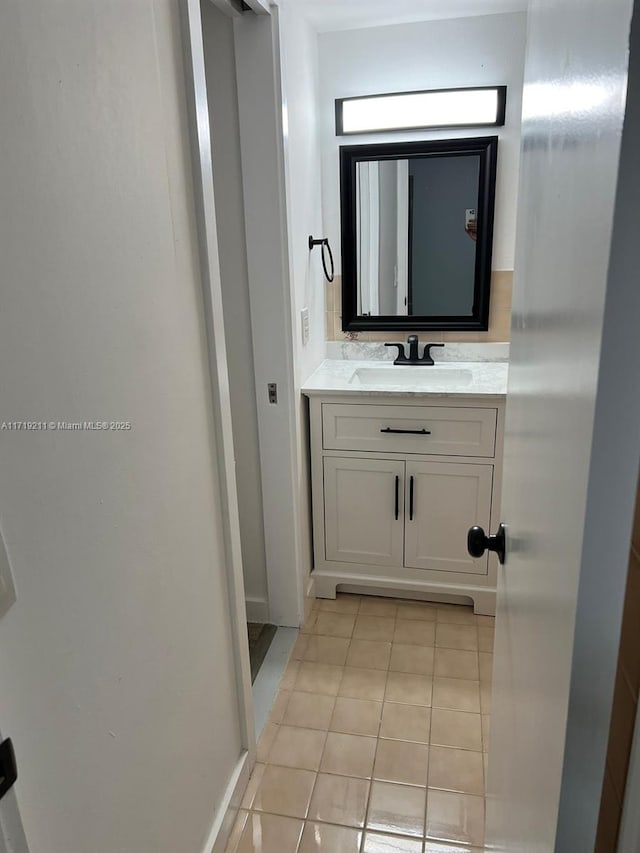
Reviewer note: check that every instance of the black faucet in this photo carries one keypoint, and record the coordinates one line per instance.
(414, 356)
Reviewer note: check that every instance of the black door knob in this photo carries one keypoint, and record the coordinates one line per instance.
(478, 542)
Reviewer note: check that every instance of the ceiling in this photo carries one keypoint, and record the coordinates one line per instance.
(327, 15)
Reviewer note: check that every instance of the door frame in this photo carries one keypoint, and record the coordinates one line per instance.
(205, 215)
(264, 154)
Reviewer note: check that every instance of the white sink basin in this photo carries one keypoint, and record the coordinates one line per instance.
(399, 376)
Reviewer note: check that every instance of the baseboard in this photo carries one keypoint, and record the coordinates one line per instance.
(310, 597)
(257, 609)
(226, 814)
(311, 587)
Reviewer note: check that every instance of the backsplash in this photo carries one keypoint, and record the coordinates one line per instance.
(499, 316)
(454, 351)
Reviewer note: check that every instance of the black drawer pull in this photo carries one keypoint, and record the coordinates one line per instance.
(407, 431)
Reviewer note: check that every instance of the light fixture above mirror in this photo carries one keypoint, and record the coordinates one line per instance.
(481, 106)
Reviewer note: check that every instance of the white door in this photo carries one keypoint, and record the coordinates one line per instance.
(443, 500)
(364, 513)
(572, 430)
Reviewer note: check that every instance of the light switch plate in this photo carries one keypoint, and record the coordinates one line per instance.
(304, 320)
(7, 588)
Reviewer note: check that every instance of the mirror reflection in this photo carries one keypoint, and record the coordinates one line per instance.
(417, 227)
(421, 238)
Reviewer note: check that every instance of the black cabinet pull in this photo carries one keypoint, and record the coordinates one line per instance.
(407, 431)
(411, 499)
(397, 496)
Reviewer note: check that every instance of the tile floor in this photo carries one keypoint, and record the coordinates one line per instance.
(377, 740)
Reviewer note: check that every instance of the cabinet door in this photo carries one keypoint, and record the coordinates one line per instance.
(444, 500)
(364, 510)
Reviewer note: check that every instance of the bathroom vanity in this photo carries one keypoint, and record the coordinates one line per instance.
(404, 461)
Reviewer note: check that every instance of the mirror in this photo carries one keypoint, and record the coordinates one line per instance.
(417, 232)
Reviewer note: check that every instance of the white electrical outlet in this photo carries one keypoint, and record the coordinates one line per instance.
(7, 589)
(304, 319)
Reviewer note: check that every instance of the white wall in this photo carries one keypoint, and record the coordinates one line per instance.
(476, 51)
(116, 663)
(303, 179)
(303, 176)
(227, 172)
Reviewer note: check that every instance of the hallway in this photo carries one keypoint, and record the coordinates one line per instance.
(378, 737)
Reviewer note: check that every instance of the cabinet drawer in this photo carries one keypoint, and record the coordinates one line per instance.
(409, 429)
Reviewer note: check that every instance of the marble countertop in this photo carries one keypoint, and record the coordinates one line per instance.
(444, 379)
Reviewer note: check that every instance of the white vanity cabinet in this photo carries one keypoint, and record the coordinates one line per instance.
(397, 481)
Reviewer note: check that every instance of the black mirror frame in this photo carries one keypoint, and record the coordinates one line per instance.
(350, 155)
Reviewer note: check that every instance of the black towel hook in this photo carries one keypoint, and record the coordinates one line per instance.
(324, 242)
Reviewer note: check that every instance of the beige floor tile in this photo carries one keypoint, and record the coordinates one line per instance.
(371, 606)
(485, 697)
(376, 842)
(279, 706)
(456, 728)
(334, 624)
(363, 683)
(486, 728)
(485, 761)
(236, 832)
(309, 710)
(325, 838)
(458, 770)
(486, 667)
(356, 716)
(416, 632)
(415, 659)
(456, 694)
(254, 782)
(454, 663)
(300, 748)
(452, 636)
(265, 742)
(374, 628)
(289, 675)
(341, 604)
(408, 688)
(308, 626)
(332, 650)
(396, 809)
(485, 639)
(417, 610)
(456, 614)
(339, 799)
(349, 755)
(398, 761)
(369, 654)
(455, 817)
(284, 791)
(438, 847)
(268, 833)
(318, 678)
(299, 647)
(405, 722)
(486, 621)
